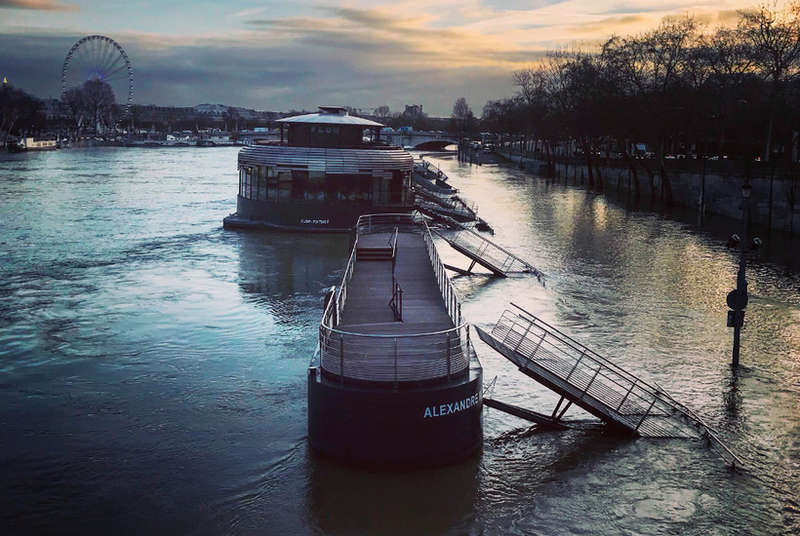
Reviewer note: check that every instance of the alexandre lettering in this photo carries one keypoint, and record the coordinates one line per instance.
(452, 407)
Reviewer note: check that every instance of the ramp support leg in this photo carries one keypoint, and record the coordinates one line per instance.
(556, 416)
(560, 400)
(563, 411)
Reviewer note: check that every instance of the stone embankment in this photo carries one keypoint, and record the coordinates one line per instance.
(713, 187)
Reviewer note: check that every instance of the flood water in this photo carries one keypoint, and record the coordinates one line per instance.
(153, 365)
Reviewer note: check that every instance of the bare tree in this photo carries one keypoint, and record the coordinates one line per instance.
(462, 117)
(774, 35)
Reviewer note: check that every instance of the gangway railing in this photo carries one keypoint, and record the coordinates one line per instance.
(451, 205)
(487, 253)
(353, 356)
(587, 379)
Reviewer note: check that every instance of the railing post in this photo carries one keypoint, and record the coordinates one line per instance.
(599, 366)
(524, 335)
(395, 362)
(448, 355)
(538, 345)
(645, 414)
(575, 365)
(341, 358)
(624, 398)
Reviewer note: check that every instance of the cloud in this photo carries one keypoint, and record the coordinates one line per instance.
(40, 5)
(626, 8)
(609, 25)
(266, 74)
(363, 55)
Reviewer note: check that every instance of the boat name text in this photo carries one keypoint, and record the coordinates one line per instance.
(453, 407)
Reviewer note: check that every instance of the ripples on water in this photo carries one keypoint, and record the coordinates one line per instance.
(154, 365)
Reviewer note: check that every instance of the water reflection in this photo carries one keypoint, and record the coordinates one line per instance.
(343, 500)
(165, 363)
(278, 270)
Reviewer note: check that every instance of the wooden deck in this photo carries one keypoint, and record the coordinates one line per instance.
(369, 291)
(370, 345)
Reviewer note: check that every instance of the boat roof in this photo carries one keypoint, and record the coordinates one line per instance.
(331, 115)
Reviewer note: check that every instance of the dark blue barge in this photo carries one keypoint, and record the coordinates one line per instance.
(395, 381)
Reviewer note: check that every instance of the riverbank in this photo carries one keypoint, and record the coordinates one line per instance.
(713, 189)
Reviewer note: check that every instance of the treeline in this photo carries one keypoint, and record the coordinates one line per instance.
(20, 113)
(733, 91)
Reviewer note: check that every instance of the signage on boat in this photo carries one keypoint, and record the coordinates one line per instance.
(315, 221)
(440, 410)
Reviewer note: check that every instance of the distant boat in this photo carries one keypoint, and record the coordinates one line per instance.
(32, 144)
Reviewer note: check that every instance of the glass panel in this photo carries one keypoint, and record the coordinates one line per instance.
(315, 189)
(262, 183)
(284, 185)
(396, 188)
(299, 184)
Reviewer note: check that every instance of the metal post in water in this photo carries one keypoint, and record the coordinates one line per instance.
(737, 299)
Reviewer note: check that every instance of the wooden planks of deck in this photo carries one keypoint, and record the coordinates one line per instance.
(370, 289)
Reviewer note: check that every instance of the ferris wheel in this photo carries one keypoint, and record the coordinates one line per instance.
(97, 57)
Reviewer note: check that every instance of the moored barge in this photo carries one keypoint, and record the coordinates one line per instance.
(322, 174)
(395, 380)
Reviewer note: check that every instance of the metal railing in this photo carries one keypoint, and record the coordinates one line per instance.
(388, 357)
(496, 255)
(449, 295)
(640, 406)
(585, 370)
(396, 303)
(394, 358)
(452, 204)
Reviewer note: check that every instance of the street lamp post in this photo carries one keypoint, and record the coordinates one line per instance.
(737, 299)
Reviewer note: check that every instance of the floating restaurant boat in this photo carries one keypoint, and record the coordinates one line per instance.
(395, 380)
(321, 176)
(32, 144)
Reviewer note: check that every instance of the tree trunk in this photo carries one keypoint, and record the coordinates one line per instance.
(635, 175)
(587, 153)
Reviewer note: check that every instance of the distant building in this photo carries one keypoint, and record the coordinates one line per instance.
(216, 110)
(413, 111)
(55, 110)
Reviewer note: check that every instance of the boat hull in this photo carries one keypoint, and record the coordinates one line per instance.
(407, 427)
(300, 215)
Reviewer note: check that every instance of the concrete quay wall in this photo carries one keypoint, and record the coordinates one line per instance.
(716, 191)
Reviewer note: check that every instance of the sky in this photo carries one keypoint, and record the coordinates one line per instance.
(301, 54)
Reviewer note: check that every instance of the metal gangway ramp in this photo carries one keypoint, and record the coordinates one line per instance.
(586, 379)
(483, 251)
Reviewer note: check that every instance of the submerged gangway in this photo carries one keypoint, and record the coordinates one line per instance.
(588, 380)
(483, 251)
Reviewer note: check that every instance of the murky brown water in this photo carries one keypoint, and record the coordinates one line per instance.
(154, 365)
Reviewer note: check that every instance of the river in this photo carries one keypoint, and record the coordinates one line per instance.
(153, 365)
